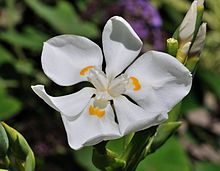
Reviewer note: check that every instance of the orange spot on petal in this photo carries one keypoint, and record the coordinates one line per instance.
(84, 70)
(135, 83)
(96, 112)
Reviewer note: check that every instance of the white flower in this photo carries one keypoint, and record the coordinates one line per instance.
(156, 82)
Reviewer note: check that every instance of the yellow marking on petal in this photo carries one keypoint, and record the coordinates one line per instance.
(135, 83)
(84, 70)
(96, 112)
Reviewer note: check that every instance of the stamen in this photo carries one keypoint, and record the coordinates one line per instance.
(84, 70)
(96, 112)
(135, 83)
(118, 85)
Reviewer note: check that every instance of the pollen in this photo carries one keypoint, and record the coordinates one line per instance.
(84, 70)
(135, 83)
(96, 112)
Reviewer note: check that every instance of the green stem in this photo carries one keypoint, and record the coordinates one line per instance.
(136, 148)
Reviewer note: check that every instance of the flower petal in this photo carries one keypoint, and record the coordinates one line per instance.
(69, 105)
(121, 45)
(64, 56)
(132, 117)
(163, 79)
(89, 130)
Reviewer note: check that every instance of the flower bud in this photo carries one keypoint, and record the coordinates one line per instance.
(182, 53)
(187, 26)
(198, 45)
(172, 46)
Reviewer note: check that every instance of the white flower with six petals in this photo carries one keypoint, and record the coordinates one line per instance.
(155, 82)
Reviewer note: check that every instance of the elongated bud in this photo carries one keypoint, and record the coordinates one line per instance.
(182, 53)
(198, 45)
(172, 46)
(187, 26)
(200, 2)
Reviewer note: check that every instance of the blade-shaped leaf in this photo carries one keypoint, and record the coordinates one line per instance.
(170, 157)
(63, 18)
(164, 131)
(3, 141)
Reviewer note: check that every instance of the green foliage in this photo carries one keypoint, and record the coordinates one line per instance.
(164, 132)
(18, 149)
(84, 158)
(9, 105)
(206, 166)
(4, 142)
(63, 18)
(5, 56)
(171, 156)
(211, 80)
(210, 58)
(190, 103)
(30, 38)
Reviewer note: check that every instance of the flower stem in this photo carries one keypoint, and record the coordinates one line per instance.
(136, 148)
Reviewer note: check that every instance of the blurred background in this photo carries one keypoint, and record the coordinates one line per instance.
(26, 24)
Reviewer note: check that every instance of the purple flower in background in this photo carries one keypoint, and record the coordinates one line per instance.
(144, 19)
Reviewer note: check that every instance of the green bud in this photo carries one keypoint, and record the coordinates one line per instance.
(172, 46)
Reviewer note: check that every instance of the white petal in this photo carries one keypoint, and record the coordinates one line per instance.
(64, 56)
(121, 45)
(89, 130)
(164, 81)
(69, 105)
(188, 24)
(133, 118)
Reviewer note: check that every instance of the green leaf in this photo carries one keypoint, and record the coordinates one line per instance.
(25, 67)
(20, 148)
(84, 158)
(170, 157)
(9, 107)
(4, 141)
(191, 63)
(29, 38)
(173, 115)
(5, 56)
(164, 131)
(206, 166)
(63, 18)
(116, 145)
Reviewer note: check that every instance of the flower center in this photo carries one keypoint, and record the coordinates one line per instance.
(107, 89)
